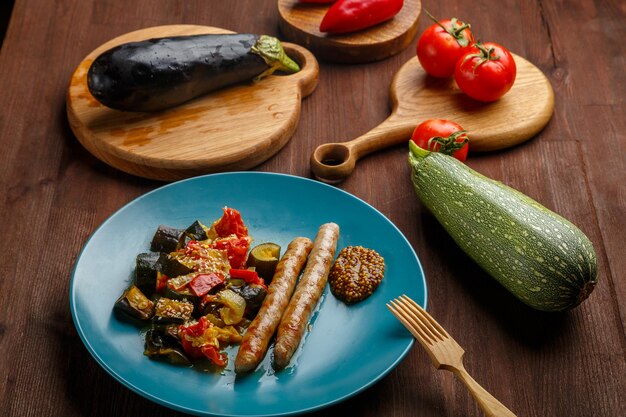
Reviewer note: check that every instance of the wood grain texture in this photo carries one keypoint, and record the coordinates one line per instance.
(235, 128)
(415, 97)
(54, 194)
(300, 23)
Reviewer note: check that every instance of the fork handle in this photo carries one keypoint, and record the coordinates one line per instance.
(487, 402)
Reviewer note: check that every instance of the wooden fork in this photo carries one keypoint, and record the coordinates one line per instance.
(444, 351)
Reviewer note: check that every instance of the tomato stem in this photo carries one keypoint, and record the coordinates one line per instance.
(455, 31)
(448, 145)
(484, 55)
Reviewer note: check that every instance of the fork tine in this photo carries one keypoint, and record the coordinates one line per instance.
(423, 322)
(416, 320)
(413, 328)
(424, 314)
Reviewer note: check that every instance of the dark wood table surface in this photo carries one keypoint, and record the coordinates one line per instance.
(54, 194)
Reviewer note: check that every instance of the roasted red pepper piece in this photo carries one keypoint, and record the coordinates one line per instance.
(236, 250)
(214, 355)
(231, 223)
(210, 352)
(203, 283)
(193, 330)
(352, 15)
(251, 277)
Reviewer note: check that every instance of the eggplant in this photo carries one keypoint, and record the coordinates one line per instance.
(254, 295)
(146, 271)
(172, 266)
(135, 304)
(195, 231)
(165, 239)
(161, 73)
(158, 347)
(172, 311)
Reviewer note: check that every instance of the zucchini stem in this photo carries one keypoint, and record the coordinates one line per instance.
(272, 52)
(417, 152)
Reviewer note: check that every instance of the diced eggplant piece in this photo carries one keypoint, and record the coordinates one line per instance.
(182, 294)
(196, 231)
(254, 295)
(172, 266)
(158, 347)
(172, 311)
(165, 239)
(169, 332)
(146, 272)
(135, 304)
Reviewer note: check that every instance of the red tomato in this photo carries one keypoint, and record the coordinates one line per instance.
(487, 72)
(442, 136)
(442, 45)
(231, 224)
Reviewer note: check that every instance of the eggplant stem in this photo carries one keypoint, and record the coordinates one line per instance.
(272, 52)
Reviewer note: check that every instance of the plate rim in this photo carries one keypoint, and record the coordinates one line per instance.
(178, 407)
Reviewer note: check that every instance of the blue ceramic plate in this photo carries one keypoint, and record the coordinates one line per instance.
(347, 349)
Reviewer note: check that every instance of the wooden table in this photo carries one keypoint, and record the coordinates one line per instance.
(54, 194)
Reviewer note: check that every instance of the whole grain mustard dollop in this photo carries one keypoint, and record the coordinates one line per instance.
(356, 274)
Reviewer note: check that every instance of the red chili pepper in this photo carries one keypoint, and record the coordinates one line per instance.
(231, 223)
(203, 283)
(251, 277)
(352, 15)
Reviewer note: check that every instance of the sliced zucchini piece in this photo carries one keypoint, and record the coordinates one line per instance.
(172, 311)
(264, 258)
(165, 239)
(135, 304)
(146, 269)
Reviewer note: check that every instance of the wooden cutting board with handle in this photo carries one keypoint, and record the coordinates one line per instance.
(235, 128)
(299, 23)
(415, 97)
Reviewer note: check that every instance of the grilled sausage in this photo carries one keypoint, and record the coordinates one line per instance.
(256, 339)
(307, 294)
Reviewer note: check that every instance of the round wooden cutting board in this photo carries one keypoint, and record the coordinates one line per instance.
(235, 128)
(415, 97)
(299, 23)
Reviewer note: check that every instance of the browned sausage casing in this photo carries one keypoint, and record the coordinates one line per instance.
(257, 337)
(307, 294)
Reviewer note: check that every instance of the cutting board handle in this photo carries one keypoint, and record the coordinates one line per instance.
(309, 68)
(333, 162)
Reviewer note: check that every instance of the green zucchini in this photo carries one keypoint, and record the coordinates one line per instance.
(160, 73)
(264, 259)
(540, 257)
